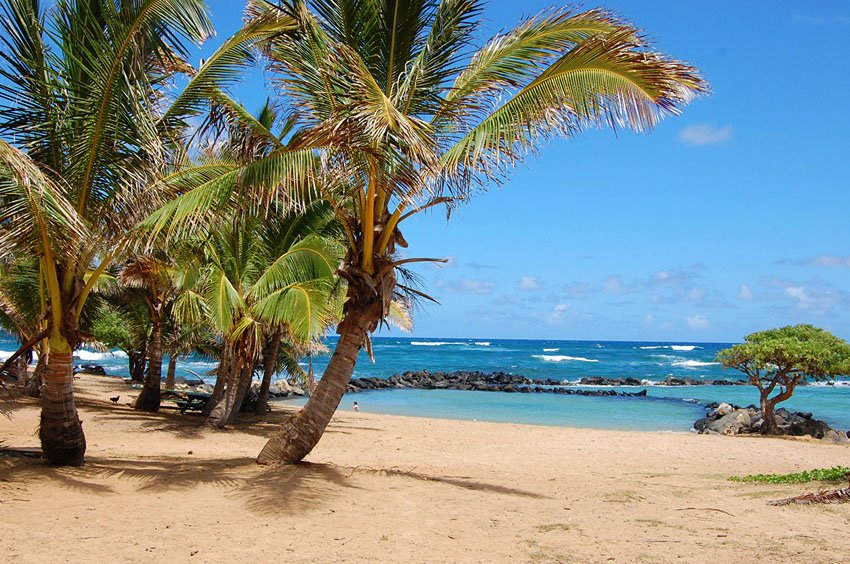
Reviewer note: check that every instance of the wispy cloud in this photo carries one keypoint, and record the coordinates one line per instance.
(467, 286)
(745, 292)
(697, 321)
(528, 283)
(613, 284)
(814, 296)
(576, 289)
(478, 266)
(704, 134)
(828, 260)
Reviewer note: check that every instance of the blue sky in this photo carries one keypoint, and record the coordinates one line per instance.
(726, 220)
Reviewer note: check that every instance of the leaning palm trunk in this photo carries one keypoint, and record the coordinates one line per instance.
(235, 372)
(60, 431)
(33, 386)
(172, 370)
(269, 360)
(237, 383)
(301, 432)
(151, 394)
(220, 380)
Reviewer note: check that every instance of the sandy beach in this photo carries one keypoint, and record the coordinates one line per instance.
(384, 488)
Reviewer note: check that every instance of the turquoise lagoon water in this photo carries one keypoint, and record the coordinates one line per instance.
(666, 408)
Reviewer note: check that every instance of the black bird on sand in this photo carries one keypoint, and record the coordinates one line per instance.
(115, 399)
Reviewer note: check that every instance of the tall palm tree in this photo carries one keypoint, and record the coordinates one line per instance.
(87, 124)
(387, 88)
(403, 119)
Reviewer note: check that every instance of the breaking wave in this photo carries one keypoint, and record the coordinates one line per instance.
(694, 364)
(562, 358)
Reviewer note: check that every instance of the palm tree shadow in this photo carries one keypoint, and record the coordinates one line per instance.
(159, 475)
(293, 489)
(456, 481)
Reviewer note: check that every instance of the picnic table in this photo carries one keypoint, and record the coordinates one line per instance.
(187, 400)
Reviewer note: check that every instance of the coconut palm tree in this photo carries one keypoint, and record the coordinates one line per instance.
(88, 123)
(387, 88)
(251, 297)
(405, 114)
(156, 277)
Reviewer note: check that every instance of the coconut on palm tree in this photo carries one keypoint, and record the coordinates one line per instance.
(87, 125)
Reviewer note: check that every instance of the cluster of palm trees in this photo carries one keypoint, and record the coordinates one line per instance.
(124, 196)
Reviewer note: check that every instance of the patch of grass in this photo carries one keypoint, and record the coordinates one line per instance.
(554, 527)
(622, 496)
(651, 522)
(835, 474)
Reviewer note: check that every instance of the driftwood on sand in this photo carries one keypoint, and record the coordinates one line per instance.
(827, 496)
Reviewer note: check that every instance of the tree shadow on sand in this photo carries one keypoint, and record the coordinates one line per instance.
(293, 489)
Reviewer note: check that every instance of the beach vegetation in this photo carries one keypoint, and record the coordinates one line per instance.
(778, 360)
(90, 118)
(410, 113)
(834, 474)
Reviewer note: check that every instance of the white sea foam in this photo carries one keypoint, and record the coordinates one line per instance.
(551, 350)
(91, 356)
(831, 383)
(435, 343)
(561, 358)
(6, 354)
(672, 347)
(694, 363)
(483, 343)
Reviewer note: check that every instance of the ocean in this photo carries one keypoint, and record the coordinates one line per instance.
(666, 408)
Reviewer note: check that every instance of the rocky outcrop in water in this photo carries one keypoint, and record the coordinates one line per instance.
(726, 419)
(477, 381)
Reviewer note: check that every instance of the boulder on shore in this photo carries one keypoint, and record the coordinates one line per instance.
(732, 420)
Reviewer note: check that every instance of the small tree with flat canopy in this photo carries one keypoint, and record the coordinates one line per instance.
(782, 358)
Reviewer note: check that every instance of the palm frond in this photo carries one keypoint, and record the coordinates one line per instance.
(35, 217)
(605, 80)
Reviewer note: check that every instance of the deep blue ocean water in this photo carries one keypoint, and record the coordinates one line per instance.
(665, 408)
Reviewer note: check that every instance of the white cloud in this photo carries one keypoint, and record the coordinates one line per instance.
(613, 284)
(528, 283)
(467, 286)
(706, 134)
(745, 292)
(829, 260)
(697, 321)
(558, 313)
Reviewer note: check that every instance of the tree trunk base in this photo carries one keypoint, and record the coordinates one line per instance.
(60, 430)
(284, 447)
(149, 400)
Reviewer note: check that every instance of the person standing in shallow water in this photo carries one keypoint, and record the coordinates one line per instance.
(356, 408)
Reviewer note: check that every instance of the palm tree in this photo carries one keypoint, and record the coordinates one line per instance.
(254, 295)
(385, 89)
(87, 125)
(22, 315)
(385, 98)
(156, 277)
